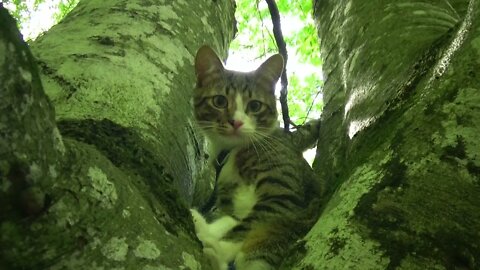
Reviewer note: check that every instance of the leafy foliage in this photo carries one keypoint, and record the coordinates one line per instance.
(36, 16)
(64, 7)
(255, 40)
(18, 9)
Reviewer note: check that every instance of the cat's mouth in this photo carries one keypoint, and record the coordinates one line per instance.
(234, 136)
(233, 133)
(236, 132)
(237, 135)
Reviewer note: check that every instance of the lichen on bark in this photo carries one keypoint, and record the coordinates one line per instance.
(109, 187)
(403, 114)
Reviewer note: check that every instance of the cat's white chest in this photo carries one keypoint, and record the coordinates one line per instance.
(243, 196)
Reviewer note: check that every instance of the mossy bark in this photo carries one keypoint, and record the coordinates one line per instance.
(105, 181)
(399, 139)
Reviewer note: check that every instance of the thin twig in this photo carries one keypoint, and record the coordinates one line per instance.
(261, 27)
(311, 106)
(282, 48)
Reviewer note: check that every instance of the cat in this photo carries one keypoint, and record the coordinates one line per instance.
(267, 195)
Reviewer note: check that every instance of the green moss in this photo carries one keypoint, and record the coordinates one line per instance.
(146, 249)
(383, 217)
(156, 267)
(296, 253)
(455, 249)
(189, 262)
(454, 151)
(476, 45)
(116, 249)
(101, 188)
(336, 244)
(474, 170)
(126, 149)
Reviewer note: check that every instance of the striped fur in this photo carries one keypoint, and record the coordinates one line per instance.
(268, 196)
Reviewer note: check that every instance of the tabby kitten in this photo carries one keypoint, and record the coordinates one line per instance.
(267, 194)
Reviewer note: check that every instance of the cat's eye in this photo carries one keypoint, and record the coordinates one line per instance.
(220, 101)
(254, 106)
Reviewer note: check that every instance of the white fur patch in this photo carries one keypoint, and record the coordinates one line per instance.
(219, 251)
(221, 226)
(239, 114)
(244, 197)
(223, 253)
(210, 232)
(229, 172)
(243, 200)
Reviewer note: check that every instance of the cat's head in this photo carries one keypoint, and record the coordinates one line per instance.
(235, 108)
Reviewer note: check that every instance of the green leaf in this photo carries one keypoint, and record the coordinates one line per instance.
(305, 81)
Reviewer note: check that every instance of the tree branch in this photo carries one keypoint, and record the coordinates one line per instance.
(282, 48)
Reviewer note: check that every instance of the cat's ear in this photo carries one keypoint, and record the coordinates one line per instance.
(271, 69)
(208, 66)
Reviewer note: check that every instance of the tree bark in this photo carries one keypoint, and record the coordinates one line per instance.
(399, 141)
(105, 181)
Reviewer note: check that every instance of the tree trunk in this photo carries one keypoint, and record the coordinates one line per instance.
(94, 185)
(399, 141)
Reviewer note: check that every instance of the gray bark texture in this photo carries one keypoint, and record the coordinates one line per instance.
(100, 174)
(399, 144)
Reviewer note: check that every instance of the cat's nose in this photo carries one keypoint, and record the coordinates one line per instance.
(236, 124)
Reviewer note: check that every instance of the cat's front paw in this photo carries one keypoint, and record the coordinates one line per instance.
(198, 220)
(220, 227)
(206, 234)
(201, 228)
(222, 252)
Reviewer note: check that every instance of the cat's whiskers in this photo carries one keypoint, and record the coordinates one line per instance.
(268, 148)
(253, 144)
(206, 125)
(268, 139)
